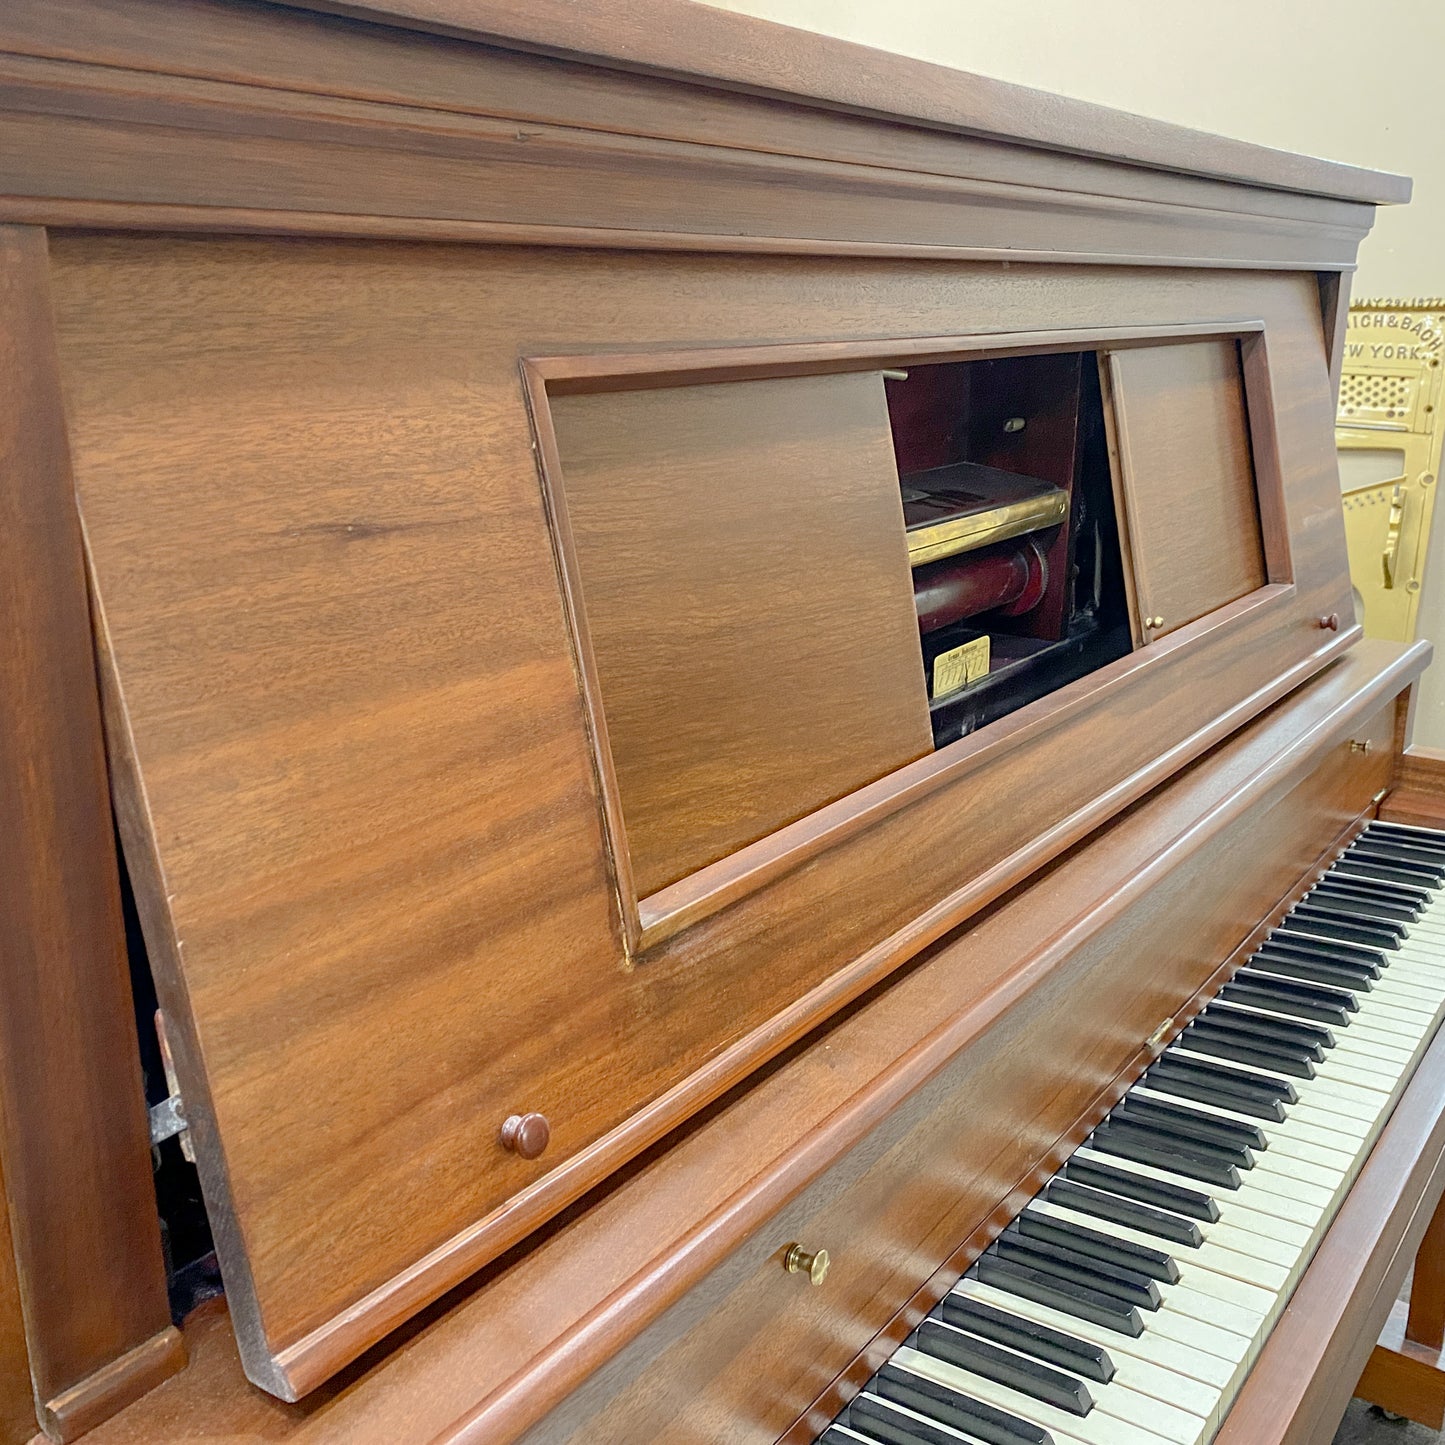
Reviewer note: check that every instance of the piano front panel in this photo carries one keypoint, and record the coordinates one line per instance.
(337, 650)
(754, 1346)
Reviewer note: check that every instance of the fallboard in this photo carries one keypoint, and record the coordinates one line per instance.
(523, 710)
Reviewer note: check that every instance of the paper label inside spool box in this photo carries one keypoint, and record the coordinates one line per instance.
(961, 666)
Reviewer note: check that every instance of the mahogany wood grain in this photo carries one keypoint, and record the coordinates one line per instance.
(1179, 441)
(698, 40)
(1417, 794)
(267, 435)
(83, 142)
(1425, 1325)
(17, 1403)
(741, 570)
(74, 1138)
(310, 55)
(495, 1357)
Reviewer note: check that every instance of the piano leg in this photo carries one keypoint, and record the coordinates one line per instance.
(1404, 1373)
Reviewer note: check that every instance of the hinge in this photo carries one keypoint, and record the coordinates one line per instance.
(168, 1118)
(1160, 1034)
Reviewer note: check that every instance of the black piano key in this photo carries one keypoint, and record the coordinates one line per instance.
(1383, 887)
(834, 1436)
(1307, 1040)
(1228, 1077)
(1303, 945)
(1191, 1122)
(1357, 977)
(1323, 994)
(1356, 867)
(1153, 1263)
(1301, 1032)
(1185, 1076)
(1331, 915)
(1060, 1294)
(1161, 1193)
(1003, 1367)
(1430, 839)
(1141, 1148)
(1175, 1156)
(1335, 895)
(1079, 1357)
(1290, 997)
(1402, 855)
(1310, 919)
(1166, 1136)
(875, 1419)
(1125, 1285)
(1068, 1194)
(1244, 1051)
(952, 1407)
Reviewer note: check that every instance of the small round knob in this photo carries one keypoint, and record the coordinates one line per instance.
(813, 1263)
(526, 1134)
(1331, 623)
(1360, 745)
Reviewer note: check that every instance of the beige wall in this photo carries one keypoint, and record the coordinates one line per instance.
(1355, 82)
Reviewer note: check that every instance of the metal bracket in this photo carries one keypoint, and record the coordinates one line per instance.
(168, 1118)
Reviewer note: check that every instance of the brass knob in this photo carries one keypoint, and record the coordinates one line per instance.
(813, 1263)
(526, 1134)
(1360, 745)
(1331, 623)
(1155, 622)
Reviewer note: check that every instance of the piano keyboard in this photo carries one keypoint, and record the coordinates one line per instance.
(1126, 1304)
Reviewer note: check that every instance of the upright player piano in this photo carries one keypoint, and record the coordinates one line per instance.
(684, 755)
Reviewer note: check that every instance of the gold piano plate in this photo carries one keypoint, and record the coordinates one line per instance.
(964, 507)
(1389, 439)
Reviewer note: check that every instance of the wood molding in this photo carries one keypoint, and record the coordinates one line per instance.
(236, 136)
(110, 1389)
(757, 55)
(73, 1129)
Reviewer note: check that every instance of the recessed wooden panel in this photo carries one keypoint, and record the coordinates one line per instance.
(742, 565)
(1180, 438)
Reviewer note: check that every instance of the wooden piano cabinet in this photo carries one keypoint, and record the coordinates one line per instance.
(302, 270)
(744, 593)
(74, 1141)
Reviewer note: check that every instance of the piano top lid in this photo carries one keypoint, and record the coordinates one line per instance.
(681, 39)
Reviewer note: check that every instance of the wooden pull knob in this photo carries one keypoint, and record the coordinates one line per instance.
(526, 1134)
(813, 1263)
(1331, 623)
